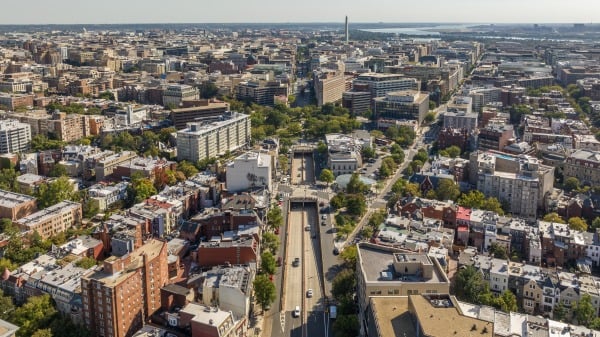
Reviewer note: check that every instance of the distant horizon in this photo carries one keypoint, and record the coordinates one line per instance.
(107, 12)
(341, 23)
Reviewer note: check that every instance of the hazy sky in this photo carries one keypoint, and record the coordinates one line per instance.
(200, 11)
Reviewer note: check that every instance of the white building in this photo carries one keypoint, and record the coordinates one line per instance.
(344, 153)
(15, 136)
(380, 84)
(209, 140)
(176, 93)
(252, 169)
(104, 196)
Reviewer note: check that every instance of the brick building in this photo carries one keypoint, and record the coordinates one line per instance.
(15, 206)
(119, 297)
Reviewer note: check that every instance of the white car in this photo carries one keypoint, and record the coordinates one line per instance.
(324, 217)
(309, 293)
(296, 312)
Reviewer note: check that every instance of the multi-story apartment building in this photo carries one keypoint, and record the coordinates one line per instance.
(461, 120)
(250, 170)
(407, 104)
(380, 84)
(585, 166)
(357, 102)
(13, 101)
(37, 120)
(15, 137)
(107, 164)
(119, 297)
(484, 96)
(148, 167)
(329, 86)
(204, 109)
(15, 206)
(260, 92)
(200, 141)
(52, 220)
(175, 94)
(69, 128)
(386, 271)
(495, 137)
(522, 181)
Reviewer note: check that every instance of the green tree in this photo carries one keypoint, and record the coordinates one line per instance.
(268, 263)
(346, 325)
(560, 312)
(377, 218)
(86, 262)
(368, 152)
(367, 232)
(498, 251)
(355, 185)
(283, 163)
(356, 204)
(7, 305)
(36, 313)
(7, 264)
(553, 217)
(492, 204)
(399, 186)
(140, 189)
(596, 223)
(41, 143)
(578, 224)
(274, 217)
(187, 168)
(570, 184)
(8, 180)
(271, 242)
(349, 255)
(469, 285)
(52, 193)
(343, 284)
(107, 95)
(58, 171)
(584, 311)
(453, 151)
(472, 199)
(508, 301)
(412, 189)
(264, 290)
(430, 117)
(326, 176)
(90, 209)
(322, 148)
(42, 333)
(338, 201)
(447, 190)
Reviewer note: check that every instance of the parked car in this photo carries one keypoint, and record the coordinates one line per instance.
(309, 293)
(279, 260)
(296, 262)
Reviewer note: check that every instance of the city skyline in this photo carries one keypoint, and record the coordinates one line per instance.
(182, 11)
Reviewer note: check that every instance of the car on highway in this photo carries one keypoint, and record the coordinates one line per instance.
(296, 262)
(307, 228)
(296, 312)
(309, 293)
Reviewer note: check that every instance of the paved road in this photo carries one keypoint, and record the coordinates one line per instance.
(293, 280)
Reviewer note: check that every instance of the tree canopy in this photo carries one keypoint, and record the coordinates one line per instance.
(264, 290)
(52, 193)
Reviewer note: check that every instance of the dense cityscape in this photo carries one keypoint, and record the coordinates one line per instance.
(331, 179)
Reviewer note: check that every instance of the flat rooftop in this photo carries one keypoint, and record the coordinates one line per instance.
(10, 199)
(379, 261)
(47, 213)
(392, 316)
(446, 319)
(204, 315)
